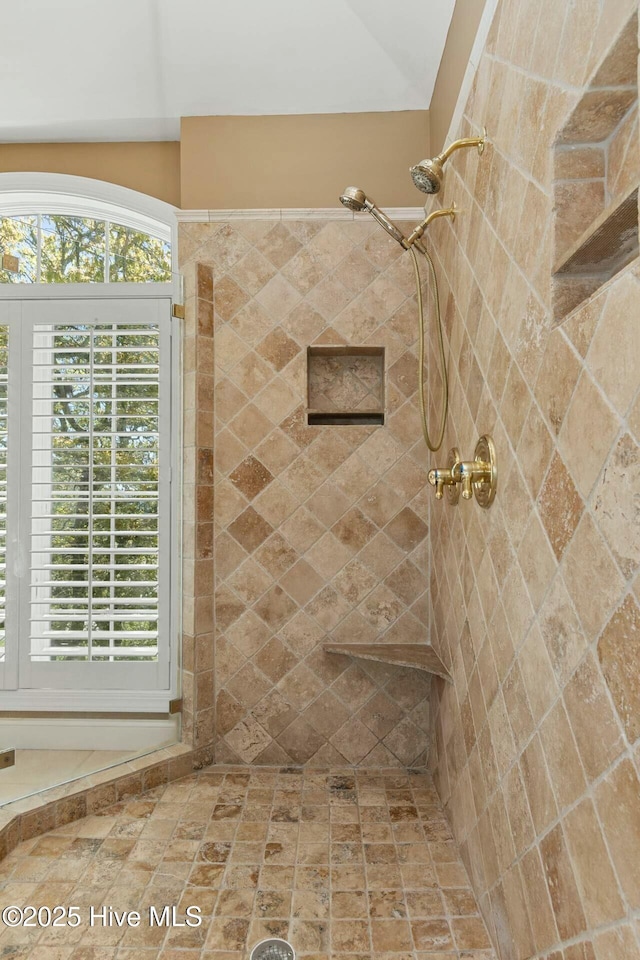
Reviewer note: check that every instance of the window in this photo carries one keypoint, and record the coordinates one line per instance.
(85, 503)
(59, 248)
(89, 402)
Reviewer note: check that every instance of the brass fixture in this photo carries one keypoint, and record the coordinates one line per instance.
(428, 174)
(440, 478)
(417, 231)
(356, 199)
(477, 477)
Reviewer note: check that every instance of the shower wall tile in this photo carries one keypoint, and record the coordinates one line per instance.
(535, 748)
(319, 532)
(198, 715)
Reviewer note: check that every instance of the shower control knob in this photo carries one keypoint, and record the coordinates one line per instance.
(464, 473)
(441, 477)
(438, 478)
(478, 476)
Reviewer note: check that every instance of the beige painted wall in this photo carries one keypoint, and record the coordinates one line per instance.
(275, 161)
(152, 168)
(300, 161)
(462, 33)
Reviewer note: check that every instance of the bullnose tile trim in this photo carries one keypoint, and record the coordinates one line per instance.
(304, 213)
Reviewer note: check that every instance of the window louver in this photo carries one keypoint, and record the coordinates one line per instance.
(97, 492)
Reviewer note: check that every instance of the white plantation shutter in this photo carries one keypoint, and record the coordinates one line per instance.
(4, 414)
(96, 469)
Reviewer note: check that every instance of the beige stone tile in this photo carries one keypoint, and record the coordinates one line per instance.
(302, 529)
(556, 380)
(563, 891)
(543, 926)
(591, 577)
(562, 632)
(560, 506)
(250, 529)
(614, 504)
(534, 451)
(250, 323)
(589, 709)
(618, 655)
(616, 802)
(537, 561)
(276, 503)
(614, 354)
(249, 582)
(616, 944)
(596, 116)
(596, 881)
(278, 297)
(585, 455)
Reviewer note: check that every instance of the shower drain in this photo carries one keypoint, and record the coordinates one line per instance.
(273, 949)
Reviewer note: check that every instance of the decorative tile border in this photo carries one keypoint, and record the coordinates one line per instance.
(310, 213)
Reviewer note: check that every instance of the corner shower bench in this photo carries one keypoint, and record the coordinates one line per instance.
(421, 656)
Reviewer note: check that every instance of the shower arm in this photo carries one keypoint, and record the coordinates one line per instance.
(416, 234)
(458, 144)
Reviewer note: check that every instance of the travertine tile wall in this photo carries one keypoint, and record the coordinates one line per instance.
(596, 163)
(535, 602)
(198, 710)
(320, 532)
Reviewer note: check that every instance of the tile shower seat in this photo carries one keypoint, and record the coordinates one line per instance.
(421, 656)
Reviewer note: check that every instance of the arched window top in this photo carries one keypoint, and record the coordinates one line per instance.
(68, 229)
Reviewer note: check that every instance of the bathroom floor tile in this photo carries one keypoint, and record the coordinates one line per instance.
(267, 852)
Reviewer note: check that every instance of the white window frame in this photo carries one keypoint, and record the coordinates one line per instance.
(22, 193)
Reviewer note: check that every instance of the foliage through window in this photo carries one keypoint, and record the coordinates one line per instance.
(56, 248)
(85, 493)
(95, 493)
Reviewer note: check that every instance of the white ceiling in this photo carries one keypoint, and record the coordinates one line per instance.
(129, 69)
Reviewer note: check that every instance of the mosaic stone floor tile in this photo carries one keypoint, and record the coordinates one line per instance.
(344, 864)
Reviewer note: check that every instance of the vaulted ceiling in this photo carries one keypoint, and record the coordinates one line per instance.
(129, 69)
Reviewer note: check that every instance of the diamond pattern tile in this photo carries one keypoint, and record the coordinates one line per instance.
(251, 477)
(302, 558)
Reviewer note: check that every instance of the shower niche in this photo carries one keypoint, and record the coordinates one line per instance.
(345, 385)
(596, 173)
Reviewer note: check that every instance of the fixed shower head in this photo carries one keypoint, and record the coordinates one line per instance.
(354, 199)
(427, 175)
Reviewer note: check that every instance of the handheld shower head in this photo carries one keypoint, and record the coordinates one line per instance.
(354, 199)
(428, 174)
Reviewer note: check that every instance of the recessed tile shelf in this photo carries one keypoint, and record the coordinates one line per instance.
(356, 417)
(421, 656)
(345, 385)
(608, 245)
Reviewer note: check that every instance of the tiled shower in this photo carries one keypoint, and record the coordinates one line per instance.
(358, 808)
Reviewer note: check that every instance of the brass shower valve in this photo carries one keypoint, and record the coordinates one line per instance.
(438, 478)
(441, 477)
(478, 476)
(468, 472)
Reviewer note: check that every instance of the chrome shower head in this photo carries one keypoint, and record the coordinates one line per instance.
(427, 175)
(354, 199)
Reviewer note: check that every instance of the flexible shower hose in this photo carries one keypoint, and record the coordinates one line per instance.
(443, 362)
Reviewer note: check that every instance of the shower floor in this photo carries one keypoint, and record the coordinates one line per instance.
(346, 864)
